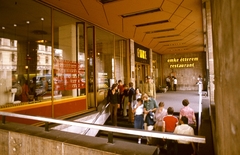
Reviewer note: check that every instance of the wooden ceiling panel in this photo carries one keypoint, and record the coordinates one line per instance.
(184, 26)
(130, 6)
(176, 19)
(169, 6)
(182, 12)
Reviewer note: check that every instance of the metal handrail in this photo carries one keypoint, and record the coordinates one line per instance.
(100, 113)
(138, 132)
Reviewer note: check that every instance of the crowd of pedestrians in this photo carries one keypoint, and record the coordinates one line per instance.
(143, 112)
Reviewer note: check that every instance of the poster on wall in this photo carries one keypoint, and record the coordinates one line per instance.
(102, 80)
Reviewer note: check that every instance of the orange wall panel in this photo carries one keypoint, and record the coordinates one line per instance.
(61, 108)
(69, 107)
(44, 111)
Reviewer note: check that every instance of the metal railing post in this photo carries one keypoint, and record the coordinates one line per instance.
(46, 126)
(110, 137)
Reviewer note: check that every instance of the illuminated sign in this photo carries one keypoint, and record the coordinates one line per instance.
(182, 59)
(141, 54)
(182, 65)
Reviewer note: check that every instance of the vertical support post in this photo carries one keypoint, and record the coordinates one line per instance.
(110, 137)
(200, 110)
(46, 126)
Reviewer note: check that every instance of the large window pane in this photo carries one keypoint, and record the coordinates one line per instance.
(69, 56)
(104, 59)
(33, 66)
(25, 52)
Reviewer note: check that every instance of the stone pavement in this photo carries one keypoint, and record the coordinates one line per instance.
(174, 99)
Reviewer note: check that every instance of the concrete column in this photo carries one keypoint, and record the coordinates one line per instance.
(209, 48)
(225, 24)
(132, 62)
(150, 60)
(67, 42)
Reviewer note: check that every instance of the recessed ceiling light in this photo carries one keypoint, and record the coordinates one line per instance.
(175, 35)
(169, 41)
(107, 1)
(152, 23)
(164, 30)
(141, 12)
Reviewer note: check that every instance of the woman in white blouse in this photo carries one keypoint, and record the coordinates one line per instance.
(138, 116)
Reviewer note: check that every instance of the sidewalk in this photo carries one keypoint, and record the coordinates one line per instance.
(174, 99)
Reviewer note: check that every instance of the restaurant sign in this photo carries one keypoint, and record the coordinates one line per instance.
(182, 62)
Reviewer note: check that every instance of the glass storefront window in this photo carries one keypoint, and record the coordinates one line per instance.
(38, 62)
(69, 57)
(43, 54)
(104, 57)
(111, 61)
(25, 52)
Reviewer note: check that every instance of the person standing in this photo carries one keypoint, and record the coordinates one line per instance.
(25, 92)
(44, 85)
(113, 99)
(149, 87)
(168, 82)
(125, 99)
(130, 102)
(184, 147)
(149, 108)
(200, 84)
(172, 83)
(32, 88)
(189, 113)
(137, 95)
(138, 118)
(175, 84)
(120, 90)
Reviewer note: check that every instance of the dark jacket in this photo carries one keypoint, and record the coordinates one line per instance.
(113, 98)
(131, 94)
(149, 119)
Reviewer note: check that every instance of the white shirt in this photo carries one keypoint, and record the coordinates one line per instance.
(139, 95)
(139, 110)
(185, 130)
